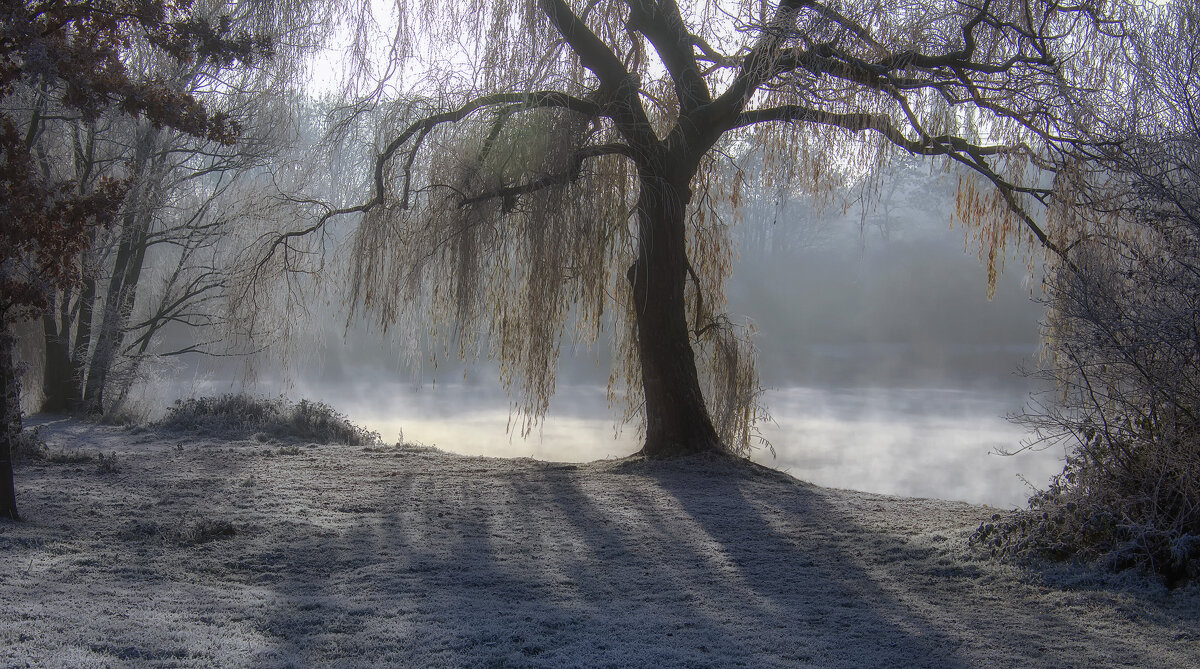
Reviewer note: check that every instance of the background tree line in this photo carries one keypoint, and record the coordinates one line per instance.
(123, 127)
(162, 267)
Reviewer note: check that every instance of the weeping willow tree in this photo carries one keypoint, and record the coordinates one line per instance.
(565, 165)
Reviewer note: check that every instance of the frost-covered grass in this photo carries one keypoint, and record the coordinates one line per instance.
(199, 551)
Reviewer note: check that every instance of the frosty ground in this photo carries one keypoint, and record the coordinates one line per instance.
(198, 551)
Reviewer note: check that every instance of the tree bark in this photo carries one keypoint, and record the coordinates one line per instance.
(677, 420)
(118, 306)
(83, 337)
(10, 421)
(111, 322)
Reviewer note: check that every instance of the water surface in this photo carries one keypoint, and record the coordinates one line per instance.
(921, 442)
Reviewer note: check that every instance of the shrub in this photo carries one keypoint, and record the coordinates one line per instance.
(65, 457)
(1137, 506)
(1123, 334)
(244, 416)
(1125, 359)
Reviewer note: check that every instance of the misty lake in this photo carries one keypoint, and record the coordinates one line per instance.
(921, 442)
(910, 441)
(887, 366)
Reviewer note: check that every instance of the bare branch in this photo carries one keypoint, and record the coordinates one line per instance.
(540, 99)
(956, 148)
(618, 87)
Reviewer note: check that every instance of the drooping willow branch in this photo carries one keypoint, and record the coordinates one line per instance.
(699, 331)
(421, 128)
(953, 147)
(533, 100)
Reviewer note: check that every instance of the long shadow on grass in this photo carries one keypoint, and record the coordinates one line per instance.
(857, 597)
(440, 577)
(446, 561)
(800, 599)
(554, 566)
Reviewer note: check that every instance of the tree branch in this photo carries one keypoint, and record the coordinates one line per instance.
(572, 173)
(536, 99)
(618, 87)
(662, 24)
(956, 148)
(591, 50)
(757, 68)
(859, 121)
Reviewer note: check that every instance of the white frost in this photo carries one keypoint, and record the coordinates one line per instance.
(406, 557)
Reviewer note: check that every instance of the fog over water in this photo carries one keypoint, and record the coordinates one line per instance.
(887, 367)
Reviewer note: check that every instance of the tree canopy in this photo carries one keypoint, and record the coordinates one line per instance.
(580, 162)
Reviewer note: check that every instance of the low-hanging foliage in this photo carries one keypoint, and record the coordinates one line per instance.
(584, 177)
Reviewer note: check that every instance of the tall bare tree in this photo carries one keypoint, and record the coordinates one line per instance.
(562, 166)
(164, 263)
(121, 305)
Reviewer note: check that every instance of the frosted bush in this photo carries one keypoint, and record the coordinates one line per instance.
(263, 419)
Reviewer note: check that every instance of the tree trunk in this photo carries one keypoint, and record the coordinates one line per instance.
(677, 420)
(118, 306)
(60, 382)
(10, 421)
(126, 272)
(83, 337)
(64, 365)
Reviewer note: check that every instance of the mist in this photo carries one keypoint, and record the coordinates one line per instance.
(886, 367)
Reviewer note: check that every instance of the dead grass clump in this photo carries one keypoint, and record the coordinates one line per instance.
(107, 464)
(28, 446)
(205, 530)
(65, 457)
(192, 533)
